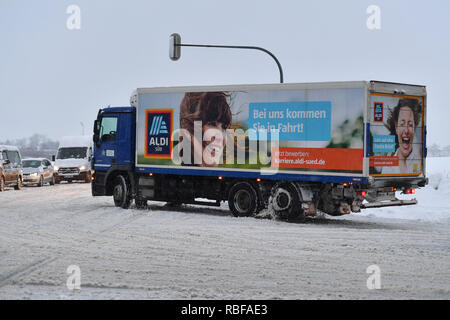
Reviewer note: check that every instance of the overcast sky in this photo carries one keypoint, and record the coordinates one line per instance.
(53, 78)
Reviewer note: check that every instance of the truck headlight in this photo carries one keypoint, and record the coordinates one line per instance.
(55, 168)
(82, 167)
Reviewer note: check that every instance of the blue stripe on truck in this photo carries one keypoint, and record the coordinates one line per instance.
(255, 175)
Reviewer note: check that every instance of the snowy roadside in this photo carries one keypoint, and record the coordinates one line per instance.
(204, 253)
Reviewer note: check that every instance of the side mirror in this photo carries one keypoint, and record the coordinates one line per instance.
(174, 46)
(96, 127)
(53, 158)
(6, 161)
(96, 137)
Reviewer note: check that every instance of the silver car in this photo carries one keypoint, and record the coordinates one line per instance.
(38, 171)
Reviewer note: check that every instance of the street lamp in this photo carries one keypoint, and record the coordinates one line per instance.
(175, 50)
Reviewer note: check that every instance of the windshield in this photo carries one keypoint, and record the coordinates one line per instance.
(72, 153)
(31, 163)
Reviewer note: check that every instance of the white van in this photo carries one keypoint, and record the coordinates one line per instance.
(73, 160)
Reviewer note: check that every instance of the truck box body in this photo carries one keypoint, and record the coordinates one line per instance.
(328, 131)
(367, 134)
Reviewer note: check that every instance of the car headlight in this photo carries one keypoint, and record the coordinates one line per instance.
(34, 174)
(82, 167)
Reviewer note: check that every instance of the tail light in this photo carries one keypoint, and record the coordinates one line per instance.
(410, 191)
(362, 193)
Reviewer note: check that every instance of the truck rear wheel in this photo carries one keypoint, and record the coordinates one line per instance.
(243, 200)
(121, 193)
(285, 201)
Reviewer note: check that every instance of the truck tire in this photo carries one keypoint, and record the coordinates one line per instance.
(285, 201)
(121, 193)
(18, 186)
(2, 184)
(243, 200)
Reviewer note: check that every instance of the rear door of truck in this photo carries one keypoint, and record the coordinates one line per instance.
(397, 135)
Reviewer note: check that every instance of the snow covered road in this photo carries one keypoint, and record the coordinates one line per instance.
(205, 253)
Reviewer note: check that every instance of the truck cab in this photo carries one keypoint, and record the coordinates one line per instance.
(114, 150)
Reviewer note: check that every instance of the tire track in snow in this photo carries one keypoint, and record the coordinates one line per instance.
(25, 270)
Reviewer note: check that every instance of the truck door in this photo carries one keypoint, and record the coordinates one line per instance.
(396, 135)
(105, 153)
(115, 142)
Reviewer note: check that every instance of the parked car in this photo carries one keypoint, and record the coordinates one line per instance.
(38, 171)
(11, 172)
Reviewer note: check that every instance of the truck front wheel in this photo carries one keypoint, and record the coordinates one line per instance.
(243, 200)
(121, 193)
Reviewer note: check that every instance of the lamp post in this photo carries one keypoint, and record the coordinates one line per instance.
(175, 50)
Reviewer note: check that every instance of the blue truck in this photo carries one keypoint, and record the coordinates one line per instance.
(337, 147)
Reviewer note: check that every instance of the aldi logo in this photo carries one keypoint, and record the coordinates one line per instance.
(159, 127)
(378, 111)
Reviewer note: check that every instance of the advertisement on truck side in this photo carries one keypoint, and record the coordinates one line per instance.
(312, 130)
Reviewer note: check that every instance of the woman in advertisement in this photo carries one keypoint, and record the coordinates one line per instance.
(214, 113)
(402, 123)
